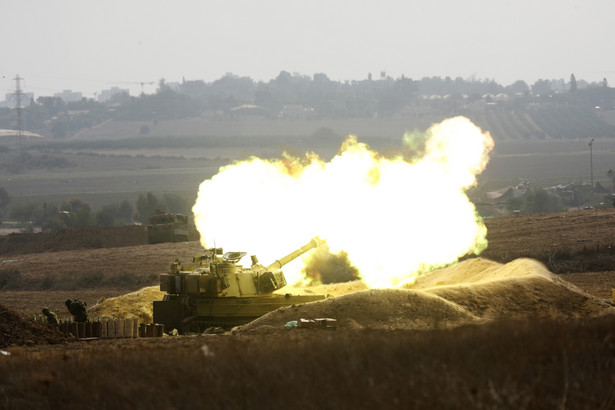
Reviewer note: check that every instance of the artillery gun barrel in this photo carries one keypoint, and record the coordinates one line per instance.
(283, 261)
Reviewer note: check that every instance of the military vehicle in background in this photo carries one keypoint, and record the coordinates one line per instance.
(167, 227)
(214, 291)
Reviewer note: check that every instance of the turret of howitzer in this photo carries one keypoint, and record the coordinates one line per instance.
(213, 275)
(215, 291)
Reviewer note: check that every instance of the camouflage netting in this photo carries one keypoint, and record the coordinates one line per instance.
(17, 330)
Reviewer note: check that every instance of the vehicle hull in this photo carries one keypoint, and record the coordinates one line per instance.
(194, 315)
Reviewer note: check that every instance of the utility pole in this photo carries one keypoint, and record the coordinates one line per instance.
(591, 162)
(18, 96)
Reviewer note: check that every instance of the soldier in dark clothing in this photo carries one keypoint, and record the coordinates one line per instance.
(52, 318)
(77, 309)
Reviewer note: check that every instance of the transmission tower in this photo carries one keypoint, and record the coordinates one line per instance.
(18, 95)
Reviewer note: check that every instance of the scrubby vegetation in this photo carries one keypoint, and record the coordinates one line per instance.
(499, 365)
(13, 280)
(536, 200)
(76, 213)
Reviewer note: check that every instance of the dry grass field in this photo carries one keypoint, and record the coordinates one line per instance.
(546, 343)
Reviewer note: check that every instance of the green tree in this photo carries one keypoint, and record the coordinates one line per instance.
(48, 212)
(53, 105)
(54, 225)
(535, 201)
(515, 204)
(75, 205)
(175, 204)
(25, 212)
(76, 213)
(125, 212)
(147, 205)
(115, 214)
(541, 87)
(540, 201)
(36, 214)
(107, 215)
(573, 83)
(162, 85)
(518, 87)
(60, 128)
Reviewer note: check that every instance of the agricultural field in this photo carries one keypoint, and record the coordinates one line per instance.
(111, 162)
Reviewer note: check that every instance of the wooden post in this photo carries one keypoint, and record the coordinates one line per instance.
(111, 328)
(127, 328)
(96, 329)
(103, 329)
(73, 328)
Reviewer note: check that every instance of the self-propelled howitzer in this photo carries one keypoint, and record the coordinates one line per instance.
(215, 291)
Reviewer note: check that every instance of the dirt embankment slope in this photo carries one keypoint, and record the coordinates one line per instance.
(471, 292)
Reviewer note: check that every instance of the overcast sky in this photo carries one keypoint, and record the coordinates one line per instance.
(88, 46)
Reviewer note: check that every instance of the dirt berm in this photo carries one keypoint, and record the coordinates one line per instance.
(472, 291)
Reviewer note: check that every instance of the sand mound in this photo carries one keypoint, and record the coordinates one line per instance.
(17, 330)
(375, 309)
(481, 270)
(473, 291)
(331, 289)
(132, 305)
(531, 297)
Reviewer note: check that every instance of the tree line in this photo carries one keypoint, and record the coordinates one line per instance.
(76, 213)
(298, 95)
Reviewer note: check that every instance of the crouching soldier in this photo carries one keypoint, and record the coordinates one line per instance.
(52, 318)
(77, 309)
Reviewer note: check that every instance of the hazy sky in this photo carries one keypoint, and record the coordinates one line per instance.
(88, 46)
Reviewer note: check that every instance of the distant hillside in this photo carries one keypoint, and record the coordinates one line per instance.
(538, 122)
